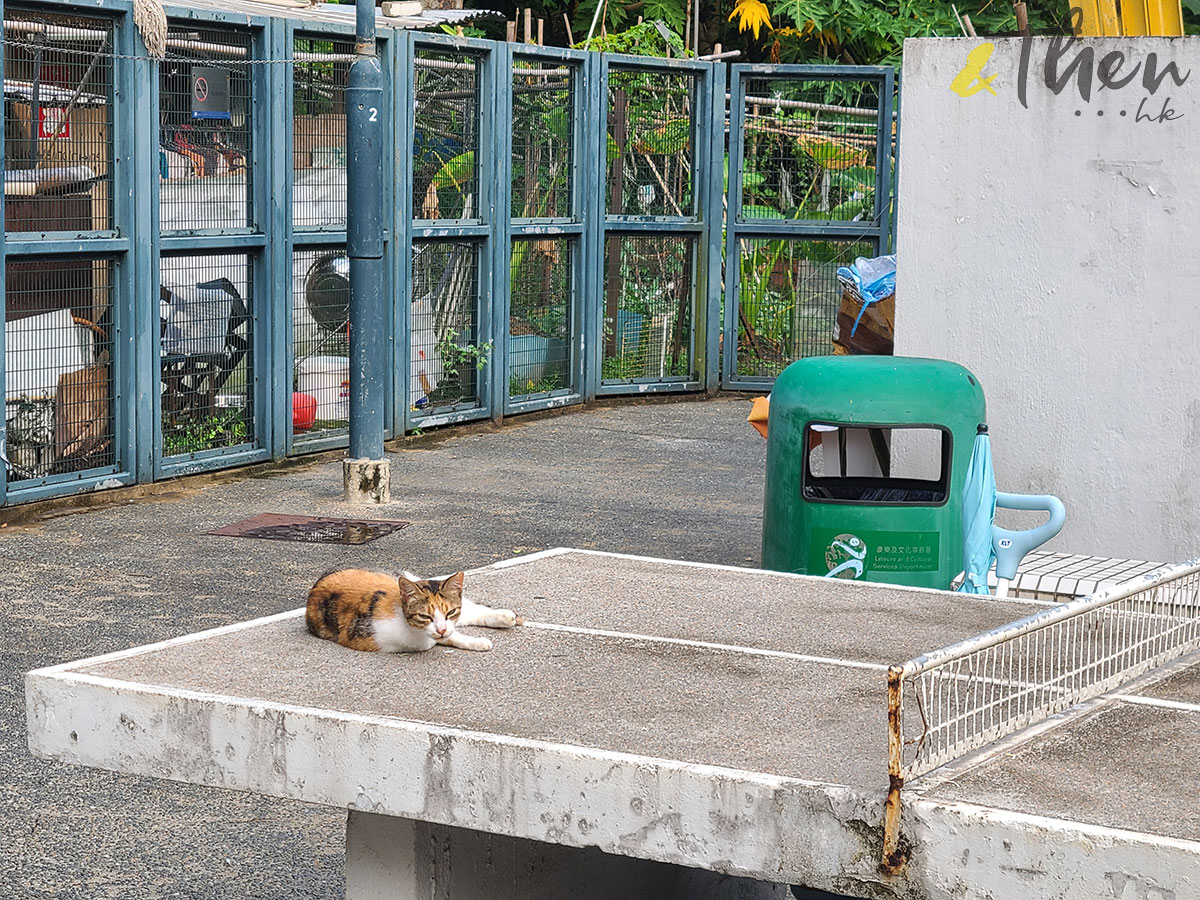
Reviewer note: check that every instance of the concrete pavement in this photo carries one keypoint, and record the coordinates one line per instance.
(679, 480)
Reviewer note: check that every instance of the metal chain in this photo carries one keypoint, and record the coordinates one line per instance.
(221, 60)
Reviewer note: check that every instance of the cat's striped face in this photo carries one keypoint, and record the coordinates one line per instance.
(433, 606)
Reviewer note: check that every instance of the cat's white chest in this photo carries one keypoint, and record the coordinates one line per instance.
(395, 635)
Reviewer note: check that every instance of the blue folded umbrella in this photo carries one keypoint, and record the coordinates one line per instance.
(979, 515)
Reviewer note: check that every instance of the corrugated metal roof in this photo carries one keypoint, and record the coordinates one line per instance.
(300, 11)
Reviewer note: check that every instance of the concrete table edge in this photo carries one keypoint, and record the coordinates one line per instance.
(756, 825)
(734, 822)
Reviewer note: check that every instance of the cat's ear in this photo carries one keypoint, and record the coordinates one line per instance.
(408, 590)
(452, 587)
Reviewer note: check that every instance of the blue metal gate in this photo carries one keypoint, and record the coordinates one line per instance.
(447, 219)
(542, 272)
(175, 232)
(811, 161)
(660, 218)
(540, 276)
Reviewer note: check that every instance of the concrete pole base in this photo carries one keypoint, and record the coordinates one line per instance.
(367, 481)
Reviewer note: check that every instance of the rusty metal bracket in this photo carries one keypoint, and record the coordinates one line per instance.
(893, 860)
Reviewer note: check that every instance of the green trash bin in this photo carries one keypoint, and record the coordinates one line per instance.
(866, 458)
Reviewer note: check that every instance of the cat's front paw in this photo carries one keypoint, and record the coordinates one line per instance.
(503, 618)
(465, 642)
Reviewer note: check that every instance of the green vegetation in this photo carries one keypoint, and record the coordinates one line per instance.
(227, 428)
(520, 387)
(456, 355)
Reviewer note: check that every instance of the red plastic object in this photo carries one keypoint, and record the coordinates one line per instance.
(304, 410)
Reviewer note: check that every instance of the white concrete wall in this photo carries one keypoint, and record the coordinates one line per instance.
(1056, 254)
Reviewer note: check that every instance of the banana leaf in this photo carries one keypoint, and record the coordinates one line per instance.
(456, 171)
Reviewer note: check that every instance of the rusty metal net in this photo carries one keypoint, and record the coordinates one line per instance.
(205, 130)
(809, 150)
(963, 697)
(650, 146)
(648, 308)
(446, 135)
(543, 101)
(58, 115)
(319, 131)
(59, 389)
(320, 340)
(206, 353)
(788, 299)
(447, 356)
(540, 320)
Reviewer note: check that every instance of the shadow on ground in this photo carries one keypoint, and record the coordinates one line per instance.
(674, 480)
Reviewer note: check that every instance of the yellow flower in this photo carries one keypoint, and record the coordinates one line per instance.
(751, 14)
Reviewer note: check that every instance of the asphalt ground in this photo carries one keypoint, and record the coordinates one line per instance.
(679, 480)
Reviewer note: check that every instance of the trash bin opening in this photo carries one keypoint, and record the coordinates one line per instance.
(876, 464)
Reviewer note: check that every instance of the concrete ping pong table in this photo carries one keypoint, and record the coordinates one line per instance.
(657, 727)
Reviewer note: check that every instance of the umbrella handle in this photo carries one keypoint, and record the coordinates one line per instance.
(1011, 546)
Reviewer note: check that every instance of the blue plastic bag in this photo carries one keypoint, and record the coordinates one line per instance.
(869, 280)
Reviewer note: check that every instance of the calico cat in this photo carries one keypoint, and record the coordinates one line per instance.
(406, 614)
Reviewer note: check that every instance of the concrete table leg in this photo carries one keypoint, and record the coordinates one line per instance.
(398, 859)
(381, 853)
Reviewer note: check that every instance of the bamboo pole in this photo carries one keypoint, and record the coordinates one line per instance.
(1022, 18)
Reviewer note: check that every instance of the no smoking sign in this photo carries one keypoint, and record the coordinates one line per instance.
(210, 93)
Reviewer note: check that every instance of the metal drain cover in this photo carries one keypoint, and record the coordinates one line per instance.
(310, 529)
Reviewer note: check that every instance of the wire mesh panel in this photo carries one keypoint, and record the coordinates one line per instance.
(446, 135)
(540, 316)
(651, 143)
(205, 129)
(206, 353)
(319, 131)
(543, 106)
(648, 308)
(804, 178)
(808, 149)
(447, 355)
(320, 340)
(965, 696)
(59, 390)
(57, 121)
(788, 299)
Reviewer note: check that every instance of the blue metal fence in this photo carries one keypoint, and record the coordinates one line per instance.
(811, 158)
(176, 279)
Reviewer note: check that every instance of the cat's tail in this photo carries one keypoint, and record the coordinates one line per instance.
(318, 615)
(315, 626)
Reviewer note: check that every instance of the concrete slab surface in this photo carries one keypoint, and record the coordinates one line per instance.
(811, 710)
(1182, 687)
(766, 714)
(751, 761)
(677, 479)
(873, 623)
(1128, 765)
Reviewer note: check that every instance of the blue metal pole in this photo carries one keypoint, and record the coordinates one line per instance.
(365, 113)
